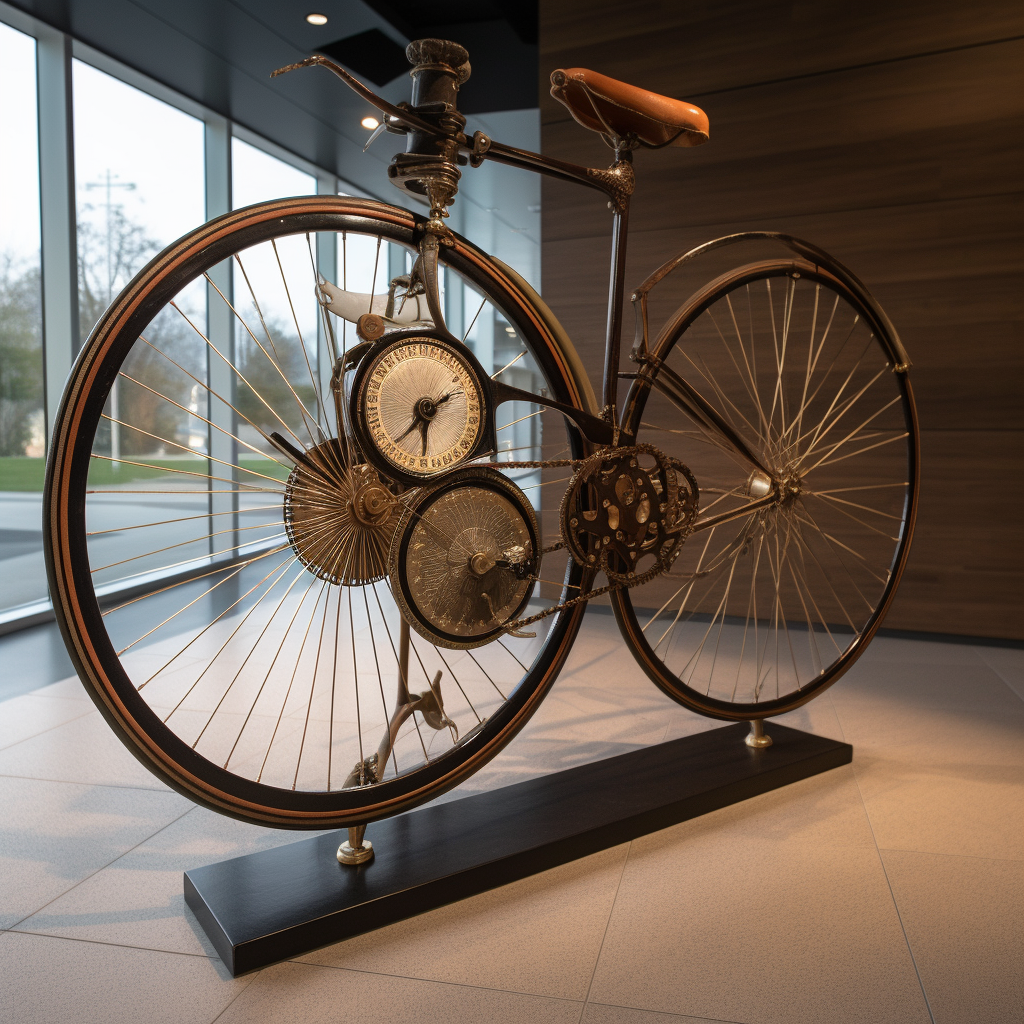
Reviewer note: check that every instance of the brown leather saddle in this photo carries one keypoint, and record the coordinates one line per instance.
(621, 111)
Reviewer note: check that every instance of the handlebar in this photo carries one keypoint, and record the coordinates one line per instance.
(401, 118)
(398, 113)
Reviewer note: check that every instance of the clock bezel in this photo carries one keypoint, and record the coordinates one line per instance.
(485, 442)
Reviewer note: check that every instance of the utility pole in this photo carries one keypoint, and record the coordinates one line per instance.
(109, 183)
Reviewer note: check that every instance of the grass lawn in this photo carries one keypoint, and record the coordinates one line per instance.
(24, 474)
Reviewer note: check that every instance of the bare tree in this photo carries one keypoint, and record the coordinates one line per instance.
(21, 370)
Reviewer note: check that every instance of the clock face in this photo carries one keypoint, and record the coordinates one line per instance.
(465, 557)
(422, 406)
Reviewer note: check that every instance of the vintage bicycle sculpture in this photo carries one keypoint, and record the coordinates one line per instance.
(329, 488)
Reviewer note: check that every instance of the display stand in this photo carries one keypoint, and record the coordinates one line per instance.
(269, 906)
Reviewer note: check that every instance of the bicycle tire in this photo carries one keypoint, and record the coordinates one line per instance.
(92, 600)
(700, 632)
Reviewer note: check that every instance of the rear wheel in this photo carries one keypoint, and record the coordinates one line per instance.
(799, 544)
(229, 606)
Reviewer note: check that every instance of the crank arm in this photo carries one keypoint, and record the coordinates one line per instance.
(289, 450)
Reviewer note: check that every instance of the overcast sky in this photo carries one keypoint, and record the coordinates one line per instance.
(19, 167)
(139, 140)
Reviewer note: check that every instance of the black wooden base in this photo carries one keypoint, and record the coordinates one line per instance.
(266, 907)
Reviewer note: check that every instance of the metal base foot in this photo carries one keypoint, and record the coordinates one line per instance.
(757, 737)
(355, 849)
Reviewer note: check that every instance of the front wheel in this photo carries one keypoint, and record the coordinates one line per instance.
(777, 385)
(217, 545)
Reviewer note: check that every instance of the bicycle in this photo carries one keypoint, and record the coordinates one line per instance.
(383, 596)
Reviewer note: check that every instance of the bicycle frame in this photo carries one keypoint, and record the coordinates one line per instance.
(435, 125)
(628, 507)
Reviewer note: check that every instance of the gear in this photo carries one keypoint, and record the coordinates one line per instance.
(340, 519)
(465, 557)
(624, 506)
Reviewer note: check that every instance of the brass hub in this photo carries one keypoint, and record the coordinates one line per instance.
(340, 520)
(789, 489)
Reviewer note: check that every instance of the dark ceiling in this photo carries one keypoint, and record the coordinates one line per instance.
(220, 53)
(500, 35)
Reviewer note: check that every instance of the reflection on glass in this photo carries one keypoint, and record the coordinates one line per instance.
(22, 422)
(257, 176)
(139, 174)
(276, 341)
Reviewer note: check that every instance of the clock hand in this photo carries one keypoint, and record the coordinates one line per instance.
(441, 401)
(425, 425)
(417, 421)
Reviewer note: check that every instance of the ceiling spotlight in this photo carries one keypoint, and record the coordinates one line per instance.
(510, 330)
(370, 123)
(316, 19)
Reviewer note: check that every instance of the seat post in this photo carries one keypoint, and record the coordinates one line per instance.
(617, 275)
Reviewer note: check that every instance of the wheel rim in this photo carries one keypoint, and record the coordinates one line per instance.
(245, 675)
(761, 613)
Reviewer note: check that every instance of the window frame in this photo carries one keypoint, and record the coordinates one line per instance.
(55, 51)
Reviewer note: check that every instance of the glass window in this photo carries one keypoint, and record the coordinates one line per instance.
(139, 177)
(257, 176)
(140, 184)
(22, 418)
(276, 336)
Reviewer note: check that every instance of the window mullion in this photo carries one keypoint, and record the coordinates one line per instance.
(57, 211)
(221, 332)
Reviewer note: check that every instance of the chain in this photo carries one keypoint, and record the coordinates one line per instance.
(544, 464)
(644, 577)
(638, 580)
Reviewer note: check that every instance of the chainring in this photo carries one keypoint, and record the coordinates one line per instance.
(340, 519)
(625, 507)
(465, 557)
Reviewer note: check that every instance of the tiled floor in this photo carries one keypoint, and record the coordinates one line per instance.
(890, 890)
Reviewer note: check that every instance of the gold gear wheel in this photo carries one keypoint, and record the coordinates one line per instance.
(340, 519)
(625, 505)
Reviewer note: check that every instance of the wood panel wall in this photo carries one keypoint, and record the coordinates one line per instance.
(892, 135)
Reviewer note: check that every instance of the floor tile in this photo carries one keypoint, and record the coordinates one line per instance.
(303, 994)
(138, 900)
(974, 810)
(1008, 662)
(599, 1013)
(818, 717)
(70, 688)
(741, 929)
(85, 750)
(539, 935)
(601, 705)
(934, 735)
(28, 715)
(823, 810)
(964, 919)
(54, 834)
(906, 686)
(887, 649)
(51, 981)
